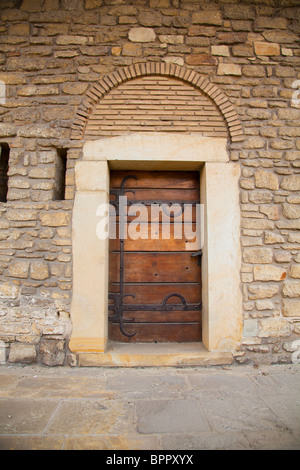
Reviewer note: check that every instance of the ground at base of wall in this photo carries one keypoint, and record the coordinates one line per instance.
(195, 408)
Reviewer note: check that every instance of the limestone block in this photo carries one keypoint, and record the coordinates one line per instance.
(21, 215)
(7, 130)
(254, 71)
(250, 328)
(64, 40)
(239, 12)
(132, 50)
(229, 69)
(295, 271)
(281, 37)
(273, 327)
(171, 39)
(257, 255)
(174, 60)
(266, 180)
(282, 256)
(39, 270)
(200, 59)
(41, 132)
(74, 88)
(264, 305)
(291, 289)
(52, 352)
(25, 353)
(254, 142)
(260, 197)
(19, 269)
(55, 219)
(160, 147)
(257, 224)
(268, 273)
(262, 292)
(212, 17)
(220, 51)
(150, 18)
(42, 172)
(91, 176)
(267, 49)
(159, 3)
(8, 290)
(291, 183)
(141, 35)
(291, 308)
(291, 211)
(271, 211)
(272, 237)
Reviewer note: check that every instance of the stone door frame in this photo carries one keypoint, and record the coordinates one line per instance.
(221, 261)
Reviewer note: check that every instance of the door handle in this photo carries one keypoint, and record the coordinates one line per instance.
(199, 254)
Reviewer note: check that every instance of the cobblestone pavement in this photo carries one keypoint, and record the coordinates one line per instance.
(232, 407)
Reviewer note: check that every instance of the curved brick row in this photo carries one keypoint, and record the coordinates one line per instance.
(114, 79)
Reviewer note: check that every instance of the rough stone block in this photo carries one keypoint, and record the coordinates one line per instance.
(229, 69)
(39, 270)
(68, 40)
(291, 289)
(268, 273)
(291, 211)
(24, 353)
(262, 292)
(272, 237)
(200, 59)
(291, 183)
(273, 327)
(220, 51)
(7, 130)
(264, 305)
(141, 35)
(267, 49)
(295, 271)
(291, 308)
(55, 219)
(266, 180)
(211, 17)
(8, 290)
(52, 352)
(150, 18)
(257, 255)
(19, 269)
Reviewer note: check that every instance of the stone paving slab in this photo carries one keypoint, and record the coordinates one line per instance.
(189, 408)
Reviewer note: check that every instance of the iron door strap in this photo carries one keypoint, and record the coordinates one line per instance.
(118, 307)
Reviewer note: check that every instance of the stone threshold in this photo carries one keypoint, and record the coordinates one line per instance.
(154, 355)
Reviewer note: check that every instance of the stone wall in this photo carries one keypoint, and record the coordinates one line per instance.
(52, 52)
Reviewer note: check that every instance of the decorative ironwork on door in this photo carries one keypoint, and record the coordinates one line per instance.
(117, 306)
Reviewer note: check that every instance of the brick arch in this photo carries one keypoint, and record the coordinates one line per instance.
(114, 79)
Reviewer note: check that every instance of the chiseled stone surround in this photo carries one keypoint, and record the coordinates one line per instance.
(222, 305)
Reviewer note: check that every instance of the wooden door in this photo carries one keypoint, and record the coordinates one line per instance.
(154, 281)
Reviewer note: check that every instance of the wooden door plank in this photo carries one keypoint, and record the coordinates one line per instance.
(162, 316)
(159, 333)
(155, 294)
(155, 179)
(140, 237)
(155, 267)
(165, 195)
